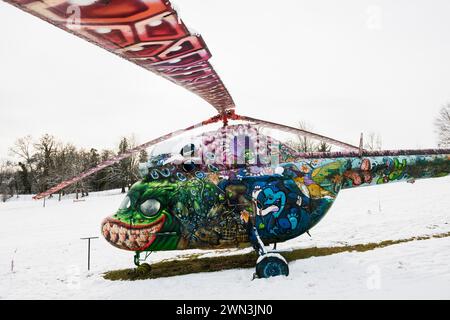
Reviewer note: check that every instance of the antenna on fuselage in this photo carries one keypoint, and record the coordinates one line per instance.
(361, 144)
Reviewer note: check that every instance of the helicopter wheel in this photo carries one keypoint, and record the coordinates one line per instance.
(271, 265)
(143, 269)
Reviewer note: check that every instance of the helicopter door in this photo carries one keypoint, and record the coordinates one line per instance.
(277, 208)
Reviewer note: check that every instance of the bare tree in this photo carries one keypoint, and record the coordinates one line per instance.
(66, 164)
(46, 149)
(373, 142)
(302, 143)
(126, 172)
(7, 185)
(106, 179)
(305, 144)
(23, 149)
(442, 123)
(322, 146)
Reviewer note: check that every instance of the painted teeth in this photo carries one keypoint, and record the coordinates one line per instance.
(129, 239)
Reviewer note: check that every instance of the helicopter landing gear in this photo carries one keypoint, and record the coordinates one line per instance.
(137, 259)
(142, 268)
(269, 263)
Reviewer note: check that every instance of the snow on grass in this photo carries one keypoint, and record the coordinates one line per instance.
(42, 256)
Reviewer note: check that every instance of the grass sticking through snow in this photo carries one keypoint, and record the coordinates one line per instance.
(196, 265)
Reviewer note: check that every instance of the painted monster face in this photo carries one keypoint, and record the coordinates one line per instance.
(143, 220)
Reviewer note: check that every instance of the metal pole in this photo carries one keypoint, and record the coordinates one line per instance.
(89, 254)
(89, 250)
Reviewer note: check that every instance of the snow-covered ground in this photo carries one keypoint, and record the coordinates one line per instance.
(42, 256)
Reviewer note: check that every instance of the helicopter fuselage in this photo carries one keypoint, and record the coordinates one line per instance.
(207, 206)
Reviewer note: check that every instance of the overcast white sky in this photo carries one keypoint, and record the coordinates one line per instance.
(345, 66)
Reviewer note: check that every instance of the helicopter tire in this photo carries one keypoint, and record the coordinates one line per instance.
(271, 265)
(143, 269)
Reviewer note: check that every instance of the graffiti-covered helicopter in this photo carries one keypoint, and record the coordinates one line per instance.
(230, 187)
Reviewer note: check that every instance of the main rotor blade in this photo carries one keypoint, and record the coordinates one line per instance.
(148, 33)
(301, 132)
(118, 158)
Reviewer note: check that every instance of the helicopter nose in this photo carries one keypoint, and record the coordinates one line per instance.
(127, 236)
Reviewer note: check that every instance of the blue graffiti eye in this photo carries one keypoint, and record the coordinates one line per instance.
(154, 174)
(150, 207)
(181, 176)
(199, 174)
(165, 172)
(213, 168)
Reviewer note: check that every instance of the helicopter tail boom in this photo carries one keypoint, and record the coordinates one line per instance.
(381, 167)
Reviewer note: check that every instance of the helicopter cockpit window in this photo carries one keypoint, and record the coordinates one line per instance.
(125, 203)
(174, 152)
(189, 166)
(188, 150)
(150, 207)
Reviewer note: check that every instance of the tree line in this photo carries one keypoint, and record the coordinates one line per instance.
(43, 163)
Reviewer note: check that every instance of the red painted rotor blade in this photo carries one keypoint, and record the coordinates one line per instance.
(148, 33)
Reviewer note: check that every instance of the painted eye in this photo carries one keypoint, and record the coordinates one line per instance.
(125, 203)
(150, 207)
